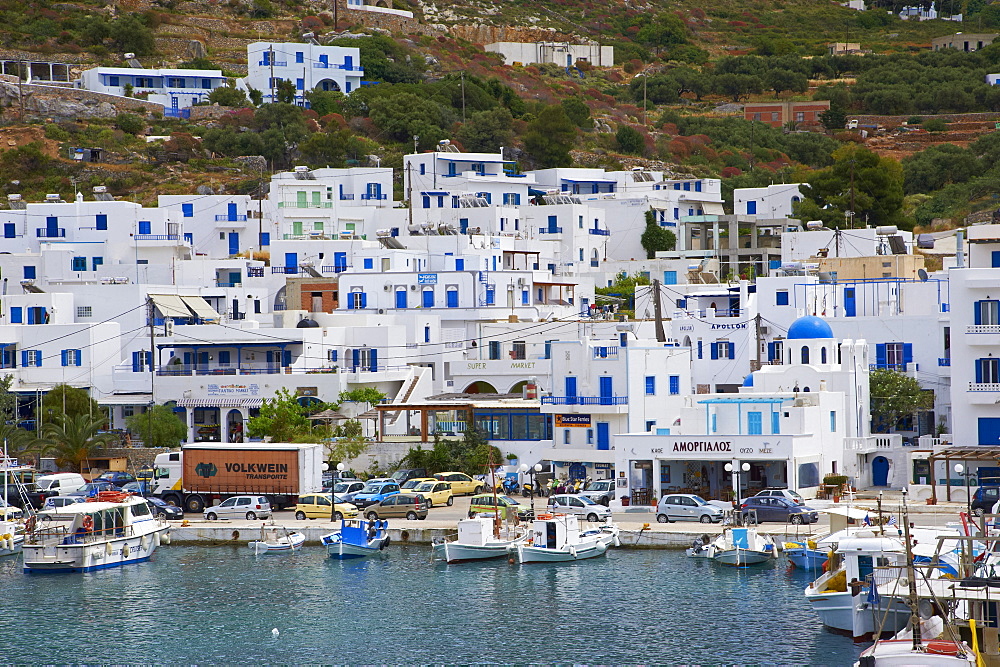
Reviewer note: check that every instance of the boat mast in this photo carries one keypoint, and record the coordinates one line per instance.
(911, 578)
(491, 467)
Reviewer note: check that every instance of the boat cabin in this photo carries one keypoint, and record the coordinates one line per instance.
(555, 531)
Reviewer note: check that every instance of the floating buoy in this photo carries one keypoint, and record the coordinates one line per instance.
(166, 538)
(274, 632)
(510, 560)
(108, 548)
(125, 551)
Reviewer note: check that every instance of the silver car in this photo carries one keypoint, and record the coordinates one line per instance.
(240, 507)
(567, 503)
(686, 507)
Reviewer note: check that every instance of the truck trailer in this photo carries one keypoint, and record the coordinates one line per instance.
(202, 474)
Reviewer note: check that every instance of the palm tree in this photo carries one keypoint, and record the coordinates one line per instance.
(21, 444)
(73, 440)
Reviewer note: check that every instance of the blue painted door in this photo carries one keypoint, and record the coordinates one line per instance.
(339, 261)
(989, 431)
(348, 62)
(850, 309)
(603, 435)
(570, 390)
(231, 210)
(291, 262)
(880, 471)
(234, 243)
(400, 298)
(52, 227)
(607, 389)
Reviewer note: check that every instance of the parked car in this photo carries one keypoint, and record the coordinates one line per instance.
(509, 508)
(348, 488)
(55, 502)
(374, 492)
(409, 485)
(16, 495)
(984, 499)
(437, 492)
(411, 506)
(574, 504)
(776, 509)
(92, 488)
(600, 491)
(461, 484)
(406, 474)
(318, 506)
(61, 483)
(240, 507)
(687, 507)
(141, 488)
(163, 510)
(783, 493)
(116, 477)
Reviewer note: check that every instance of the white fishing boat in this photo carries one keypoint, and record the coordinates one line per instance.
(557, 538)
(701, 547)
(479, 538)
(608, 533)
(357, 538)
(276, 539)
(112, 529)
(11, 530)
(741, 547)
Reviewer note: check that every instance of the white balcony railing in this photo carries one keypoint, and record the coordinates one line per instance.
(984, 386)
(983, 329)
(873, 442)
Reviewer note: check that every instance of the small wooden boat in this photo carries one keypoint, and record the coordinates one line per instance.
(357, 538)
(742, 546)
(806, 554)
(276, 539)
(557, 538)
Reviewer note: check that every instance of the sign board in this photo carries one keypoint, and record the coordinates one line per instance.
(234, 389)
(241, 471)
(427, 279)
(574, 421)
(706, 448)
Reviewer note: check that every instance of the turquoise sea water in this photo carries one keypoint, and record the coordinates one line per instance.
(200, 605)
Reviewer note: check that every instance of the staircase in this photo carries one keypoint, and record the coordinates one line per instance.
(404, 393)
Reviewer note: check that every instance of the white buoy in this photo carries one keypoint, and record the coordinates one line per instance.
(274, 631)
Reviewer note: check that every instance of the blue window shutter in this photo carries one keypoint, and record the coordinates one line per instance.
(781, 298)
(24, 357)
(699, 349)
(136, 362)
(265, 238)
(732, 350)
(78, 357)
(62, 357)
(29, 273)
(145, 227)
(978, 313)
(350, 300)
(428, 301)
(770, 351)
(979, 370)
(426, 201)
(460, 265)
(996, 258)
(675, 385)
(907, 353)
(9, 230)
(355, 357)
(364, 300)
(715, 350)
(650, 385)
(187, 210)
(373, 358)
(224, 357)
(16, 315)
(751, 208)
(880, 355)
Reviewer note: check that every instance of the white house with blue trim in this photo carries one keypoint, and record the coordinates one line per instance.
(217, 226)
(772, 201)
(175, 89)
(309, 66)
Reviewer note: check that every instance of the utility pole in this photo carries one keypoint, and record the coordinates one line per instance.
(852, 194)
(756, 321)
(409, 190)
(336, 12)
(20, 93)
(270, 60)
(661, 336)
(152, 368)
(751, 145)
(463, 97)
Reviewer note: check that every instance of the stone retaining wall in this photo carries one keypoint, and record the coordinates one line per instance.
(893, 121)
(61, 102)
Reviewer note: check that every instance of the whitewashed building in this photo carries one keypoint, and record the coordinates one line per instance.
(308, 66)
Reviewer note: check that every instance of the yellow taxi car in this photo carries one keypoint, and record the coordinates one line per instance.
(436, 491)
(317, 506)
(461, 484)
(410, 485)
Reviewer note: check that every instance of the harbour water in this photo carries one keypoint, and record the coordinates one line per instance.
(219, 605)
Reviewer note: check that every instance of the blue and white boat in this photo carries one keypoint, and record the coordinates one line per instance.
(811, 554)
(110, 530)
(357, 538)
(742, 546)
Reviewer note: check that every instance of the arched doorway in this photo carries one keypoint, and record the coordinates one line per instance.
(234, 426)
(480, 387)
(328, 85)
(880, 471)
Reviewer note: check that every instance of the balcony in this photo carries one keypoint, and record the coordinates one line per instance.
(345, 197)
(276, 63)
(606, 352)
(373, 196)
(983, 329)
(900, 367)
(302, 204)
(873, 443)
(334, 269)
(219, 283)
(584, 400)
(230, 218)
(984, 386)
(944, 361)
(156, 237)
(600, 232)
(550, 230)
(46, 233)
(288, 270)
(255, 272)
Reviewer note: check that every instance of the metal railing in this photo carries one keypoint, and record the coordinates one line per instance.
(255, 271)
(584, 400)
(550, 230)
(984, 386)
(337, 268)
(46, 233)
(375, 196)
(606, 352)
(230, 218)
(156, 237)
(222, 284)
(289, 270)
(276, 63)
(944, 361)
(346, 197)
(600, 232)
(983, 328)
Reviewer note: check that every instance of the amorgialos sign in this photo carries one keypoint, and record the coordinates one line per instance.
(702, 447)
(241, 471)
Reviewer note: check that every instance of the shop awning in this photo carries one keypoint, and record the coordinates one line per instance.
(170, 305)
(221, 402)
(200, 308)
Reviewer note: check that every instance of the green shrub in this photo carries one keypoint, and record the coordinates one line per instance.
(935, 125)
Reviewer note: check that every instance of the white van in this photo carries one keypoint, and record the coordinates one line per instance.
(61, 482)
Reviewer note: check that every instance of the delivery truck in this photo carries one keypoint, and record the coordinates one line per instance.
(202, 474)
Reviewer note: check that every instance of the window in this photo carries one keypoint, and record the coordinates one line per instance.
(300, 57)
(300, 84)
(800, 116)
(369, 263)
(428, 298)
(723, 350)
(187, 210)
(988, 371)
(84, 311)
(331, 355)
(833, 421)
(357, 300)
(29, 273)
(79, 264)
(675, 385)
(70, 357)
(781, 298)
(114, 81)
(31, 358)
(754, 423)
(987, 312)
(16, 315)
(565, 436)
(650, 425)
(518, 350)
(145, 227)
(590, 436)
(650, 385)
(452, 297)
(805, 354)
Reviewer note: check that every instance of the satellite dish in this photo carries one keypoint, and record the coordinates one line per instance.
(925, 609)
(922, 275)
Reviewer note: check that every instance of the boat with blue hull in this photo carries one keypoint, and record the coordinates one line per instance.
(357, 538)
(110, 530)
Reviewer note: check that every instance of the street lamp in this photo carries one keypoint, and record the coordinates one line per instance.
(736, 476)
(961, 470)
(333, 495)
(531, 472)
